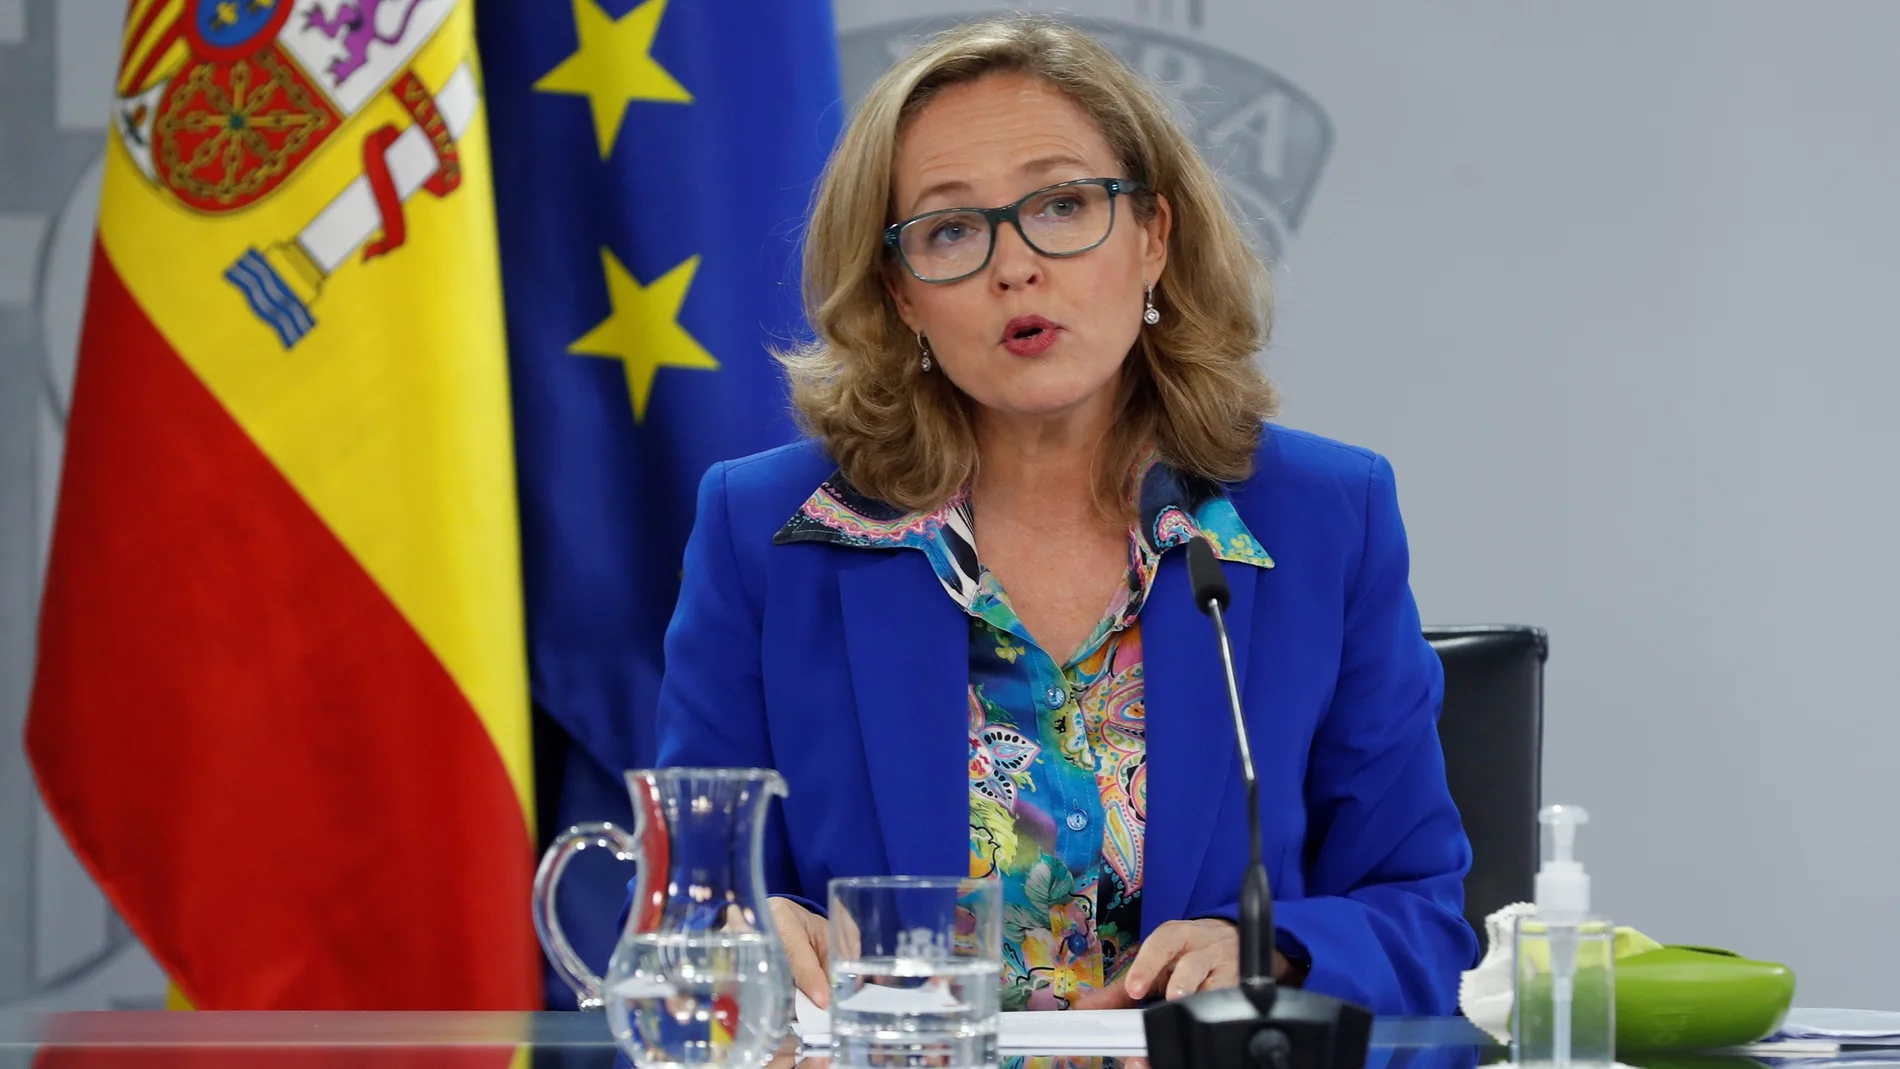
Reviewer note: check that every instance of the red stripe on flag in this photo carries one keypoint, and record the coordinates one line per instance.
(153, 55)
(391, 1055)
(137, 34)
(272, 777)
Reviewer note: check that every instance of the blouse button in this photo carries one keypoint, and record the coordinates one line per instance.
(1078, 821)
(1056, 697)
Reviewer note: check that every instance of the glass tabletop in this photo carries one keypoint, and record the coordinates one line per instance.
(470, 1040)
(475, 1040)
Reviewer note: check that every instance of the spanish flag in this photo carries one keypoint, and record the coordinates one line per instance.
(280, 709)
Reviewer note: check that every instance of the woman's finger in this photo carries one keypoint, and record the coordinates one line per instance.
(1190, 970)
(846, 927)
(1155, 959)
(808, 967)
(1115, 996)
(1225, 973)
(818, 933)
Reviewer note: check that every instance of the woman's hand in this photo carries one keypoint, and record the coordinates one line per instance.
(1179, 958)
(803, 933)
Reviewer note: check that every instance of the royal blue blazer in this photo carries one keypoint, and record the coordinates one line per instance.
(846, 669)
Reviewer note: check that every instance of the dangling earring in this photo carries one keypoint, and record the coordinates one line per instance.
(1150, 315)
(923, 346)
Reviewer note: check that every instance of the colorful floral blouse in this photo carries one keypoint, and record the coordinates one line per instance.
(1058, 757)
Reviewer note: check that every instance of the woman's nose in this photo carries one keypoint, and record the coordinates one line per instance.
(1014, 264)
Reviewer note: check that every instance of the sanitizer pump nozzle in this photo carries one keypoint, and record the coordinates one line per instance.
(1577, 1022)
(1563, 899)
(1562, 885)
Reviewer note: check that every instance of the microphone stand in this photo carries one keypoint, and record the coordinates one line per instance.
(1257, 1025)
(1256, 901)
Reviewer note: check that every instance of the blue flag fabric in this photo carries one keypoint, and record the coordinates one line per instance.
(653, 162)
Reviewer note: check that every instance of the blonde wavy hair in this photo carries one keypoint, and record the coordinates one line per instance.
(1190, 388)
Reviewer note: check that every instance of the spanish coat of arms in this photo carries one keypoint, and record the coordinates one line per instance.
(220, 102)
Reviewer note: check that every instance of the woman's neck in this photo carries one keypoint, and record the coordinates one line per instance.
(1039, 466)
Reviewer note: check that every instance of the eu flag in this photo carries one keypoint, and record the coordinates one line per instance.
(653, 160)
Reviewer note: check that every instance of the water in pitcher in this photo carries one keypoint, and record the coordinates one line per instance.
(697, 999)
(939, 1012)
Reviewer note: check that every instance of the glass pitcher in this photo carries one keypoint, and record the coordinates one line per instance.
(699, 977)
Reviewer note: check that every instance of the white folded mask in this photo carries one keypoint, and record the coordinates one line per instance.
(1484, 992)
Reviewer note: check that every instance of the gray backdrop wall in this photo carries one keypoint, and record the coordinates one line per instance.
(60, 946)
(1608, 283)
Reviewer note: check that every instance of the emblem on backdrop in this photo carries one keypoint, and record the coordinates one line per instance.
(1265, 137)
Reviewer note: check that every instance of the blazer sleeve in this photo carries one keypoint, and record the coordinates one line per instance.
(712, 697)
(1386, 852)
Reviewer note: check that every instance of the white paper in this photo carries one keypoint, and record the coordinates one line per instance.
(1081, 1032)
(640, 987)
(1078, 1032)
(877, 998)
(809, 1020)
(1853, 1025)
(1785, 1048)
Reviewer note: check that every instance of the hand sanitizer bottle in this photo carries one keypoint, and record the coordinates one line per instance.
(1563, 1006)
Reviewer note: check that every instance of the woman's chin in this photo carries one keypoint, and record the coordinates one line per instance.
(1044, 403)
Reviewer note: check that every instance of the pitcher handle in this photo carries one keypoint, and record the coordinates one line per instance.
(547, 920)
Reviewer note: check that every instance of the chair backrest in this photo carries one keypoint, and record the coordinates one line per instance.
(1492, 731)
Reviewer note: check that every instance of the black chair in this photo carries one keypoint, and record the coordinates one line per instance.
(1492, 730)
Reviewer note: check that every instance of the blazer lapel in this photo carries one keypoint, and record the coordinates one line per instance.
(1192, 759)
(908, 646)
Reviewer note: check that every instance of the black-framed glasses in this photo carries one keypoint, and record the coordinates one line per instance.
(1066, 219)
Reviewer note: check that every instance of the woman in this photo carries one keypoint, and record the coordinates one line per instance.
(957, 620)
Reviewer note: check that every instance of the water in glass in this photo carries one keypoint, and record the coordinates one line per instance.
(939, 1012)
(695, 999)
(699, 977)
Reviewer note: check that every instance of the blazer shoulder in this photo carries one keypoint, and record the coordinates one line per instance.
(1310, 500)
(764, 489)
(1307, 486)
(1294, 460)
(801, 464)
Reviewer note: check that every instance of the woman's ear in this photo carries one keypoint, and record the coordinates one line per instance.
(906, 308)
(1154, 240)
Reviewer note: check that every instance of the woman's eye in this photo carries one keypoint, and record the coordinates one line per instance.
(951, 231)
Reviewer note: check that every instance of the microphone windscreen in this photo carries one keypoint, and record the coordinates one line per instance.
(1204, 574)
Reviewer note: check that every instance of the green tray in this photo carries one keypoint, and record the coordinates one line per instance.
(1698, 998)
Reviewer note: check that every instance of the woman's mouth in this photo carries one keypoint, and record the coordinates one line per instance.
(1030, 335)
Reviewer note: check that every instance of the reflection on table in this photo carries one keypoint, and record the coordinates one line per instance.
(455, 1040)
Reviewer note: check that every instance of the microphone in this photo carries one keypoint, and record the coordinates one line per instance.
(1212, 596)
(1257, 1025)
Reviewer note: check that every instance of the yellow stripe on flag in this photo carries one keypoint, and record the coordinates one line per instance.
(148, 24)
(391, 417)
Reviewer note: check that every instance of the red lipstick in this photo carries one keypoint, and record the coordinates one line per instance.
(1030, 335)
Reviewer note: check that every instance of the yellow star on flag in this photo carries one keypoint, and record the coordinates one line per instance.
(614, 66)
(643, 330)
